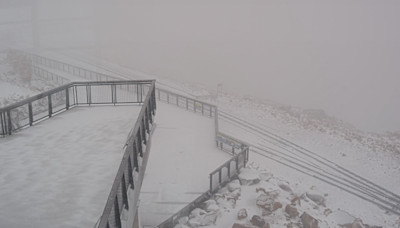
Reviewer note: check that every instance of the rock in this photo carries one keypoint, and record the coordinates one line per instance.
(265, 201)
(194, 222)
(212, 208)
(180, 226)
(265, 176)
(183, 220)
(226, 203)
(294, 199)
(285, 187)
(248, 177)
(234, 185)
(234, 194)
(223, 190)
(291, 210)
(238, 225)
(276, 206)
(308, 221)
(274, 193)
(327, 211)
(207, 203)
(256, 220)
(209, 219)
(242, 213)
(319, 200)
(197, 213)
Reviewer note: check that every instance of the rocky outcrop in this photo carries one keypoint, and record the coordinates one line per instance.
(292, 211)
(256, 220)
(308, 221)
(248, 177)
(319, 200)
(242, 213)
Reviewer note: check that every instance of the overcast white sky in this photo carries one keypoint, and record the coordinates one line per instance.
(340, 56)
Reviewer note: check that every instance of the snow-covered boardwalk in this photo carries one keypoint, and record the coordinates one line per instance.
(183, 153)
(59, 172)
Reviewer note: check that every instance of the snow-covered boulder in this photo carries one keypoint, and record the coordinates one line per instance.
(292, 211)
(308, 221)
(248, 177)
(233, 185)
(285, 187)
(207, 204)
(265, 176)
(318, 199)
(242, 213)
(256, 220)
(181, 226)
(264, 201)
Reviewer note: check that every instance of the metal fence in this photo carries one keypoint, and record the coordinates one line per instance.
(68, 68)
(27, 112)
(50, 76)
(222, 174)
(122, 202)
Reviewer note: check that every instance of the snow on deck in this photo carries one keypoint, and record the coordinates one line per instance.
(183, 154)
(59, 172)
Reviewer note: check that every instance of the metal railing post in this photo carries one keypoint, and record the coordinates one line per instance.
(50, 105)
(9, 127)
(30, 113)
(67, 98)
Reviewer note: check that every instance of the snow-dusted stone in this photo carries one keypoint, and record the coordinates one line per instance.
(285, 187)
(276, 206)
(239, 225)
(327, 211)
(265, 201)
(210, 218)
(183, 220)
(194, 222)
(248, 177)
(234, 185)
(197, 213)
(207, 203)
(308, 221)
(265, 176)
(242, 213)
(212, 208)
(294, 199)
(292, 211)
(223, 190)
(180, 226)
(226, 203)
(319, 200)
(341, 217)
(256, 220)
(234, 194)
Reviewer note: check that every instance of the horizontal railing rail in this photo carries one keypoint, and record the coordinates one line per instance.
(69, 68)
(126, 188)
(32, 110)
(50, 76)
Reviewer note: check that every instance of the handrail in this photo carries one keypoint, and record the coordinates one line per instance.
(129, 164)
(63, 98)
(221, 138)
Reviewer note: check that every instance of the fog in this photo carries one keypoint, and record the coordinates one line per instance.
(337, 56)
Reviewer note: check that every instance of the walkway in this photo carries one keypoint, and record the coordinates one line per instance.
(183, 153)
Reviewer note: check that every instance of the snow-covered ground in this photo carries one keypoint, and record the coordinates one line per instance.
(375, 157)
(59, 172)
